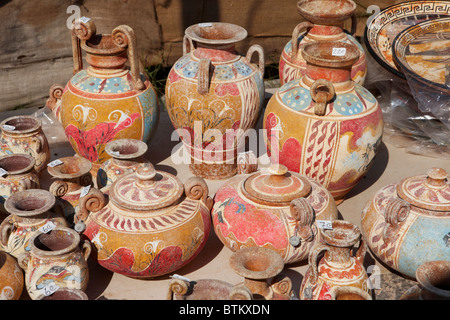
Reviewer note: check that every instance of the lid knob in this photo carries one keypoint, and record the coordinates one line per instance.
(145, 174)
(278, 170)
(436, 177)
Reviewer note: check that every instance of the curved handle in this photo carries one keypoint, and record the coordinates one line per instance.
(302, 211)
(188, 45)
(397, 210)
(196, 188)
(261, 61)
(361, 252)
(295, 34)
(312, 261)
(247, 162)
(59, 188)
(86, 249)
(39, 140)
(6, 228)
(204, 67)
(321, 97)
(80, 31)
(240, 292)
(23, 260)
(354, 24)
(55, 94)
(123, 36)
(92, 202)
(25, 184)
(177, 286)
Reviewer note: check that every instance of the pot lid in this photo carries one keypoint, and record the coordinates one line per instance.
(430, 191)
(277, 186)
(146, 189)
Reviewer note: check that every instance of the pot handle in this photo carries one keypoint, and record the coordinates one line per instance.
(92, 202)
(261, 62)
(247, 162)
(124, 37)
(55, 94)
(203, 80)
(25, 184)
(361, 252)
(188, 45)
(196, 188)
(86, 249)
(354, 24)
(23, 260)
(321, 97)
(302, 211)
(397, 210)
(39, 140)
(295, 34)
(80, 31)
(177, 286)
(312, 261)
(6, 228)
(59, 188)
(240, 292)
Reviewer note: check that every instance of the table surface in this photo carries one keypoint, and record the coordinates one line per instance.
(391, 165)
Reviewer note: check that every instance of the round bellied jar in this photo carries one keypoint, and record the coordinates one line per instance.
(152, 224)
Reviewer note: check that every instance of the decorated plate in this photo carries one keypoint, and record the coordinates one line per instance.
(382, 29)
(422, 52)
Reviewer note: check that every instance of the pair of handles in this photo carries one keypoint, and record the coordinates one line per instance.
(204, 67)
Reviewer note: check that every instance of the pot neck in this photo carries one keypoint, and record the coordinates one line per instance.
(216, 53)
(339, 256)
(107, 66)
(328, 33)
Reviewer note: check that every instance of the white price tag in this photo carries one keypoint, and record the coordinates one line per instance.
(50, 289)
(115, 153)
(49, 226)
(203, 25)
(8, 127)
(3, 172)
(339, 52)
(324, 224)
(55, 163)
(85, 191)
(85, 19)
(177, 276)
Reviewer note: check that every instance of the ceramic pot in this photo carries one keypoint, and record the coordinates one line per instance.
(126, 156)
(57, 257)
(324, 22)
(64, 294)
(288, 202)
(213, 95)
(11, 278)
(20, 175)
(407, 223)
(349, 293)
(152, 224)
(23, 134)
(71, 178)
(261, 269)
(433, 279)
(107, 100)
(206, 289)
(29, 210)
(338, 267)
(324, 125)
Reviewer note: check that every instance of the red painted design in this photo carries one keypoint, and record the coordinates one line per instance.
(227, 88)
(372, 120)
(173, 76)
(291, 154)
(87, 141)
(324, 293)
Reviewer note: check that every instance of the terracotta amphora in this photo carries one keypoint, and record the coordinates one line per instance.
(214, 95)
(324, 22)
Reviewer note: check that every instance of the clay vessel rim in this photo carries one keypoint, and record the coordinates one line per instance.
(240, 259)
(77, 292)
(36, 125)
(109, 50)
(47, 253)
(319, 53)
(349, 228)
(236, 33)
(331, 17)
(84, 167)
(423, 276)
(48, 198)
(336, 291)
(28, 168)
(140, 145)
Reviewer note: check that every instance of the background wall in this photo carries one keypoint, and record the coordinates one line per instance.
(35, 46)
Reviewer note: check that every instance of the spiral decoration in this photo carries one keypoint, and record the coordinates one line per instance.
(247, 162)
(196, 188)
(84, 30)
(281, 284)
(397, 211)
(240, 292)
(59, 188)
(92, 202)
(177, 286)
(55, 94)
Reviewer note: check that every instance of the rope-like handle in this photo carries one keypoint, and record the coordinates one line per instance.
(204, 67)
(321, 98)
(295, 34)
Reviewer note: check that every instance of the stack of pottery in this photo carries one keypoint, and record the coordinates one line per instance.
(107, 100)
(213, 95)
(324, 125)
(325, 20)
(286, 201)
(152, 224)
